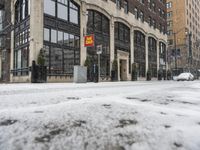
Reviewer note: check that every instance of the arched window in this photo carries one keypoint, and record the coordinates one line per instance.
(21, 37)
(139, 52)
(163, 56)
(122, 40)
(21, 10)
(99, 25)
(152, 56)
(122, 37)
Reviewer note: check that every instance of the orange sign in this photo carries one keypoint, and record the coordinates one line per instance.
(89, 40)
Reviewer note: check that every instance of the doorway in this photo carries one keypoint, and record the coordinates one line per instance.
(123, 70)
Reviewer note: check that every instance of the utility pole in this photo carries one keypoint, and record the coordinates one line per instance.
(99, 52)
(190, 51)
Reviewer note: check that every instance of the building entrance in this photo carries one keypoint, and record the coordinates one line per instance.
(123, 70)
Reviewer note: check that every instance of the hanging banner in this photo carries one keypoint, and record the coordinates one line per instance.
(89, 40)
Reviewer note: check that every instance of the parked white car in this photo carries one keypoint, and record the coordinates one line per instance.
(187, 76)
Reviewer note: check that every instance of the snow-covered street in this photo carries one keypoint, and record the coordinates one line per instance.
(141, 115)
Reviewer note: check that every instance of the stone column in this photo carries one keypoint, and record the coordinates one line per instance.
(36, 29)
(12, 40)
(147, 53)
(158, 55)
(132, 46)
(83, 32)
(112, 42)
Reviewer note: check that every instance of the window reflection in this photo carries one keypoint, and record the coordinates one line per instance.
(49, 7)
(62, 9)
(53, 36)
(66, 39)
(46, 34)
(60, 37)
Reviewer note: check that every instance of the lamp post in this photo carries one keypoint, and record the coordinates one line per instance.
(190, 51)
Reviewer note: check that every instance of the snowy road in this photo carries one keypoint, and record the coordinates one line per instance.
(100, 116)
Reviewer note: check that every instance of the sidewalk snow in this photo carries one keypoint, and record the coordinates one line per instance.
(100, 116)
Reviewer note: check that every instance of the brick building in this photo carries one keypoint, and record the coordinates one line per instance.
(183, 25)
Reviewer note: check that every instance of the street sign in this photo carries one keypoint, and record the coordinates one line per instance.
(99, 49)
(89, 40)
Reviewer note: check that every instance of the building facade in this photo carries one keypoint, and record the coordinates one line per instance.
(5, 29)
(183, 25)
(131, 32)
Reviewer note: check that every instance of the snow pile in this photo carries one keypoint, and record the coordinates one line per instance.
(104, 116)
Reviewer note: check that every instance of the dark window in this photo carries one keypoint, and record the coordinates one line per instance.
(62, 53)
(22, 37)
(136, 13)
(152, 56)
(21, 10)
(56, 56)
(97, 22)
(126, 6)
(118, 3)
(71, 40)
(139, 52)
(142, 16)
(122, 37)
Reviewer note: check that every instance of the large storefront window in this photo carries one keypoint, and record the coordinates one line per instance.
(62, 53)
(65, 10)
(122, 37)
(139, 52)
(152, 56)
(98, 24)
(22, 38)
(163, 56)
(122, 40)
(61, 37)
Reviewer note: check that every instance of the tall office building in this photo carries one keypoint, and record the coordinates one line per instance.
(183, 29)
